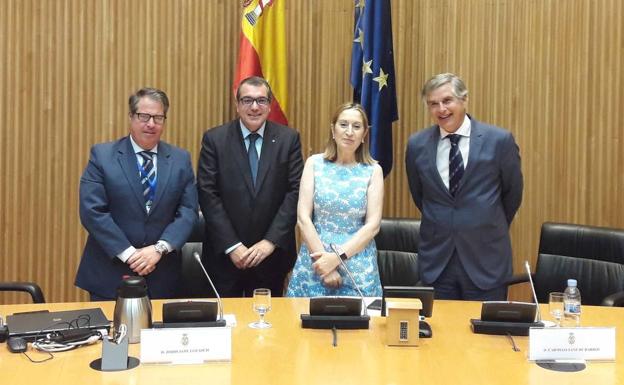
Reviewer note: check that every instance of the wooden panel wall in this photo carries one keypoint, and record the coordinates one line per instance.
(548, 70)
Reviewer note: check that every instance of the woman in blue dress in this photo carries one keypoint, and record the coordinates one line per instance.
(340, 203)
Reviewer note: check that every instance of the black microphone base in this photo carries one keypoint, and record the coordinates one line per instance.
(503, 328)
(334, 321)
(205, 324)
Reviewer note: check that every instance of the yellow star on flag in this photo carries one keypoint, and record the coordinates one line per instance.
(382, 79)
(366, 68)
(360, 38)
(361, 5)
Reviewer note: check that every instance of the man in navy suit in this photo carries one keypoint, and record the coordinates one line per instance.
(465, 178)
(248, 182)
(138, 201)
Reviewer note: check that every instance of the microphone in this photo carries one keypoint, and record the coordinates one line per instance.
(198, 259)
(528, 270)
(344, 266)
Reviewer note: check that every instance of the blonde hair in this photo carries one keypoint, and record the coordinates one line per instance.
(362, 154)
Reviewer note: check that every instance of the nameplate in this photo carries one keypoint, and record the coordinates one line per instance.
(590, 344)
(186, 345)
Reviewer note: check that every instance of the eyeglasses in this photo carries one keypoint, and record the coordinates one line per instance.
(158, 119)
(444, 103)
(248, 101)
(344, 125)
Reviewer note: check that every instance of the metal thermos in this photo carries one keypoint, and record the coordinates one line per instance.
(133, 307)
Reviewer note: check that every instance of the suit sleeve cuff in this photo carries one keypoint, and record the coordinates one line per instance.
(232, 248)
(126, 254)
(167, 245)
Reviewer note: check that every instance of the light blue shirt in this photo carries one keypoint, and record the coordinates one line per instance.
(140, 159)
(245, 131)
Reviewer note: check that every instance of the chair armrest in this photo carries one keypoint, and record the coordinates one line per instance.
(518, 278)
(29, 287)
(616, 299)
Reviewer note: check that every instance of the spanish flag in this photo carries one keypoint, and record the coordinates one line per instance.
(263, 51)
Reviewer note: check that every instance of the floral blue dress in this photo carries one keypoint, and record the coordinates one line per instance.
(340, 199)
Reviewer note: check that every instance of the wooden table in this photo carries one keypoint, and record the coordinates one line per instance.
(287, 354)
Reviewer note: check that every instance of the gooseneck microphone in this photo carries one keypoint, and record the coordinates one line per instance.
(198, 259)
(528, 270)
(344, 266)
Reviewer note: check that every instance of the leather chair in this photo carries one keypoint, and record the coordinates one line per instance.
(28, 287)
(594, 256)
(397, 251)
(193, 282)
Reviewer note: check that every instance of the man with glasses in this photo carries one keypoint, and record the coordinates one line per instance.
(138, 202)
(248, 183)
(465, 178)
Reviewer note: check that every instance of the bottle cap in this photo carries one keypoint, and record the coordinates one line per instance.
(572, 282)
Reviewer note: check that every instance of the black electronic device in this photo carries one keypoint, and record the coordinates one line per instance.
(334, 321)
(4, 331)
(335, 306)
(17, 344)
(190, 311)
(31, 325)
(337, 312)
(508, 311)
(503, 327)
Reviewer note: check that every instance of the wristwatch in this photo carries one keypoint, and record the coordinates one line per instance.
(161, 248)
(339, 251)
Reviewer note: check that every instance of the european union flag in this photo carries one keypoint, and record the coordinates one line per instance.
(372, 74)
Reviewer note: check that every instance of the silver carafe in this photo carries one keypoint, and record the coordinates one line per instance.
(133, 307)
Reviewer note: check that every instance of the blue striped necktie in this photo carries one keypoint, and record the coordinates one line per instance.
(148, 177)
(456, 164)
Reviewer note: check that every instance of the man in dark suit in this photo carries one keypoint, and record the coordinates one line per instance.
(248, 182)
(465, 177)
(138, 201)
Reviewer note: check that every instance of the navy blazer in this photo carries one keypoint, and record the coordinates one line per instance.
(476, 221)
(112, 210)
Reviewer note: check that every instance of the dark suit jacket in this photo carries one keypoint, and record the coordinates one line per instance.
(476, 221)
(235, 211)
(112, 209)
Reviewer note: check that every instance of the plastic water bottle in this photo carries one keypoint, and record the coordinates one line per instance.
(572, 304)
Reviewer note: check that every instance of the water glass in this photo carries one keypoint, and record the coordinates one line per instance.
(555, 306)
(261, 305)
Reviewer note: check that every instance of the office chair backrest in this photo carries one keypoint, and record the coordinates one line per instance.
(193, 282)
(28, 287)
(397, 252)
(594, 256)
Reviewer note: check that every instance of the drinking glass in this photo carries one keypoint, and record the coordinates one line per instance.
(261, 305)
(555, 306)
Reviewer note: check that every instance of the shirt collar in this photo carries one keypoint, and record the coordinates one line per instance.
(463, 130)
(245, 131)
(138, 148)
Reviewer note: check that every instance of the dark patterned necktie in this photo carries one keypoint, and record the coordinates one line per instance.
(456, 164)
(148, 177)
(253, 155)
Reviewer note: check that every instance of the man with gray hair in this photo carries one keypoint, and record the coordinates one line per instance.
(138, 202)
(466, 180)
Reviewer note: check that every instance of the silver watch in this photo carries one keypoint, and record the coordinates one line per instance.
(161, 248)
